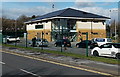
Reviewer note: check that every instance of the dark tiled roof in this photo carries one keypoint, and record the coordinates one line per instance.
(69, 12)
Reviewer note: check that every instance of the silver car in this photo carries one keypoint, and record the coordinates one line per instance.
(40, 42)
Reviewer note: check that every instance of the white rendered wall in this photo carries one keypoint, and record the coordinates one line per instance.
(46, 25)
(87, 25)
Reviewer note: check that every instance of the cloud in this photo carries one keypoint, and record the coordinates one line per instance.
(92, 7)
(13, 13)
(97, 1)
(101, 11)
(38, 0)
(27, 0)
(96, 10)
(60, 0)
(84, 4)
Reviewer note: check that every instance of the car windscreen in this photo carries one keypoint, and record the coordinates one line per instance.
(66, 40)
(12, 37)
(38, 39)
(109, 40)
(44, 40)
(99, 40)
(116, 45)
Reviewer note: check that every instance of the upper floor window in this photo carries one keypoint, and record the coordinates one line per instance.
(84, 21)
(38, 26)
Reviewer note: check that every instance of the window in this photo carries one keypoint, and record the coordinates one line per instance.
(116, 45)
(95, 33)
(83, 33)
(84, 21)
(106, 46)
(95, 21)
(109, 40)
(38, 26)
(100, 40)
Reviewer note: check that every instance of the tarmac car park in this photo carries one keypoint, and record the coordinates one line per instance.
(72, 49)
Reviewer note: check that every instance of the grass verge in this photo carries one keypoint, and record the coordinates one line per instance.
(100, 59)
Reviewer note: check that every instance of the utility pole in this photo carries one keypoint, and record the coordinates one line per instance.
(109, 23)
(91, 29)
(114, 24)
(16, 32)
(115, 31)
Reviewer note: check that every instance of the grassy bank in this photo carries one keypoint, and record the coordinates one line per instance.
(100, 59)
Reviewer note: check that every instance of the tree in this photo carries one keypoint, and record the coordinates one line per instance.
(20, 22)
(11, 25)
(7, 24)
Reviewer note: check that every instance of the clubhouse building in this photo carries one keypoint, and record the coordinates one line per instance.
(70, 23)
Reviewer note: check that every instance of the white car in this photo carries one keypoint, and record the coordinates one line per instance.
(101, 41)
(8, 39)
(109, 50)
(13, 39)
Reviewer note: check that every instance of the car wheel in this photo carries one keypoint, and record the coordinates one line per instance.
(55, 45)
(118, 55)
(77, 46)
(18, 41)
(95, 53)
(8, 41)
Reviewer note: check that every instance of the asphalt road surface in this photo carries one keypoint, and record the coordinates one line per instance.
(17, 65)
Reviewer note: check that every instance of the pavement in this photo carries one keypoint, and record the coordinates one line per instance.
(88, 64)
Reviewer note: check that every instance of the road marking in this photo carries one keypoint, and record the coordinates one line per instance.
(2, 62)
(58, 63)
(29, 72)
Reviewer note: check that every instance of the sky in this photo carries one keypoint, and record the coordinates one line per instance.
(14, 8)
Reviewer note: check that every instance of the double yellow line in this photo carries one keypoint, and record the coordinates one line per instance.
(66, 65)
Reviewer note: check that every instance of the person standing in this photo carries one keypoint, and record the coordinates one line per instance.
(80, 34)
(33, 41)
(65, 44)
(81, 39)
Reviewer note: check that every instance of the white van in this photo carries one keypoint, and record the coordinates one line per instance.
(101, 41)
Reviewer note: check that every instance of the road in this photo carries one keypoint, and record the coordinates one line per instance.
(19, 65)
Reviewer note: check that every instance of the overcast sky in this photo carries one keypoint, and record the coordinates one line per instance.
(14, 8)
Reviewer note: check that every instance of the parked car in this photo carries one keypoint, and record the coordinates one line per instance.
(39, 42)
(8, 39)
(109, 50)
(83, 44)
(101, 41)
(63, 42)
